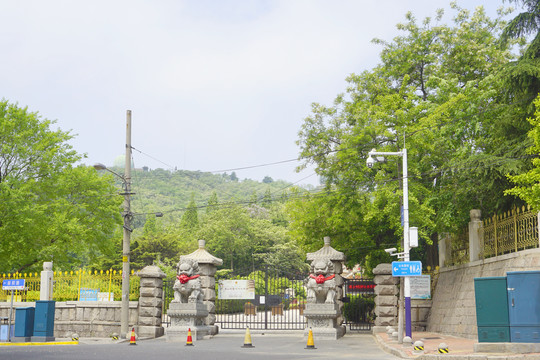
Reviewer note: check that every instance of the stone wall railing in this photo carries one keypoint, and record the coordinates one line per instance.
(501, 234)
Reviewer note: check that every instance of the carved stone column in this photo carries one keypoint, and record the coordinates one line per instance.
(325, 316)
(207, 267)
(386, 300)
(187, 311)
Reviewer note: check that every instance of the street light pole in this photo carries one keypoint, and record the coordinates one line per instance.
(124, 316)
(406, 293)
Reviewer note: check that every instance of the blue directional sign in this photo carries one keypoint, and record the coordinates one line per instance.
(406, 268)
(13, 284)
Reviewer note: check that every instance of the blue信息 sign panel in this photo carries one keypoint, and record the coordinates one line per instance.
(13, 284)
(406, 268)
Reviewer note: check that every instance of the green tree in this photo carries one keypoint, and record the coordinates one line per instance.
(436, 92)
(212, 203)
(49, 208)
(246, 239)
(528, 184)
(190, 219)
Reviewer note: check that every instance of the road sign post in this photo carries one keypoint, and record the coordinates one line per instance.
(12, 284)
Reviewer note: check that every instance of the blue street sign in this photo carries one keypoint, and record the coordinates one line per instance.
(13, 284)
(406, 268)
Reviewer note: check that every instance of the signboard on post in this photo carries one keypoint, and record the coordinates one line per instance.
(406, 268)
(13, 284)
(236, 289)
(420, 287)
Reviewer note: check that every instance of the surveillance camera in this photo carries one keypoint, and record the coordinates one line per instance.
(370, 161)
(391, 250)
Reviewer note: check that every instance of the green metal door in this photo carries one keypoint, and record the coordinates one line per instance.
(492, 309)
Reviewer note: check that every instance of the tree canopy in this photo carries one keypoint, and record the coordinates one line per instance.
(50, 209)
(437, 91)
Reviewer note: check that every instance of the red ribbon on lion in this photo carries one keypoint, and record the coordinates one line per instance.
(184, 278)
(320, 279)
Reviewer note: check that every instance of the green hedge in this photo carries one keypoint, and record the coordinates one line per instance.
(354, 310)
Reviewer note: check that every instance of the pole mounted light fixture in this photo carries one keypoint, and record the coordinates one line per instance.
(378, 156)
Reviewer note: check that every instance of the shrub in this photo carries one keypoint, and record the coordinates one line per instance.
(359, 309)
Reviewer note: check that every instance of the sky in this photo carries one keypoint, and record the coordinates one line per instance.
(212, 85)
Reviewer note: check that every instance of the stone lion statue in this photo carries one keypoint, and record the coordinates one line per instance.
(187, 287)
(321, 284)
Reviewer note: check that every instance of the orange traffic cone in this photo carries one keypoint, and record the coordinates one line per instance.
(132, 340)
(189, 341)
(310, 344)
(247, 339)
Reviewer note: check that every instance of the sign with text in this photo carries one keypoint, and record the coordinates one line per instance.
(406, 268)
(88, 294)
(236, 289)
(13, 284)
(420, 287)
(356, 286)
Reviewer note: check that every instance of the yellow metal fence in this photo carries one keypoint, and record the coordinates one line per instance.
(511, 232)
(70, 285)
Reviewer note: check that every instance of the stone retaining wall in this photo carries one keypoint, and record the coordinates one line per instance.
(86, 318)
(454, 311)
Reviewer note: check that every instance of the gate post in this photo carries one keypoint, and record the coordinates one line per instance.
(150, 302)
(385, 300)
(207, 266)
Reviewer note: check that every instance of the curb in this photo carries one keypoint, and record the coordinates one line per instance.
(389, 349)
(480, 356)
(40, 343)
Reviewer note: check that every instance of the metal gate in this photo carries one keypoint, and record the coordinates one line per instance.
(359, 304)
(274, 301)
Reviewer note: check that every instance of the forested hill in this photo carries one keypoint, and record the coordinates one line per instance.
(170, 192)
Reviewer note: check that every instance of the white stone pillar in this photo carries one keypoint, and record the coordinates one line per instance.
(46, 286)
(443, 246)
(475, 235)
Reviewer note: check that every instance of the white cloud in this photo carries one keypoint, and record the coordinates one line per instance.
(212, 84)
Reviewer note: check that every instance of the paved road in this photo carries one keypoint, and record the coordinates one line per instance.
(222, 347)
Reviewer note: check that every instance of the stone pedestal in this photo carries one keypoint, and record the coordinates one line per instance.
(185, 316)
(322, 319)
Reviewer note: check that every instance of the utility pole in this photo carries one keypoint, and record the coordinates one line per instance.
(126, 242)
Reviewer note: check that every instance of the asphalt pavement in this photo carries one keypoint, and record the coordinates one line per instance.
(225, 346)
